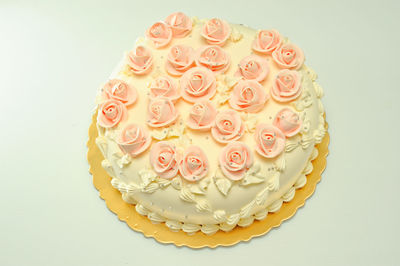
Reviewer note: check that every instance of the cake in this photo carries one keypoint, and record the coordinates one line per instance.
(206, 125)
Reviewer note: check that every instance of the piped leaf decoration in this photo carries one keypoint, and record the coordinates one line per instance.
(246, 210)
(147, 176)
(176, 130)
(253, 176)
(195, 188)
(124, 188)
(186, 195)
(250, 122)
(262, 196)
(223, 184)
(305, 100)
(163, 183)
(159, 134)
(306, 141)
(124, 160)
(203, 205)
(291, 145)
(280, 163)
(273, 181)
(150, 188)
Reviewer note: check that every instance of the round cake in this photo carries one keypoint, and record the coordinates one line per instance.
(206, 125)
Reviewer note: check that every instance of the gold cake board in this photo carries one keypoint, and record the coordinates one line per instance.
(127, 213)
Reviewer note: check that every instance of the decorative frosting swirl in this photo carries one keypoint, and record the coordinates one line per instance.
(110, 113)
(286, 86)
(235, 159)
(214, 58)
(161, 112)
(179, 59)
(198, 83)
(289, 56)
(267, 41)
(180, 24)
(140, 60)
(216, 31)
(163, 159)
(119, 90)
(134, 140)
(160, 33)
(248, 96)
(270, 141)
(164, 86)
(253, 67)
(202, 115)
(194, 164)
(228, 126)
(288, 122)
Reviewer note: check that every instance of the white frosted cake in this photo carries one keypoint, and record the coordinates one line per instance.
(206, 125)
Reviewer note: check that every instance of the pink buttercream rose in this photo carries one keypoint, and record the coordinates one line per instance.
(228, 126)
(267, 41)
(288, 56)
(140, 60)
(286, 86)
(216, 31)
(134, 140)
(194, 164)
(180, 24)
(119, 90)
(110, 113)
(163, 159)
(179, 59)
(253, 67)
(202, 115)
(198, 83)
(161, 112)
(288, 122)
(235, 159)
(164, 86)
(270, 141)
(160, 33)
(213, 57)
(248, 96)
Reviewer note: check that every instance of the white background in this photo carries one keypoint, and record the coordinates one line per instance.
(53, 56)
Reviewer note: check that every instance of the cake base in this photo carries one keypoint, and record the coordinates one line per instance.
(127, 213)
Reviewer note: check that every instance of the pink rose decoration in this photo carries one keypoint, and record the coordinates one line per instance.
(134, 140)
(179, 59)
(180, 24)
(270, 141)
(214, 58)
(235, 159)
(194, 164)
(119, 90)
(160, 33)
(164, 87)
(163, 159)
(198, 83)
(286, 86)
(289, 56)
(228, 126)
(110, 113)
(161, 112)
(140, 60)
(267, 41)
(216, 31)
(288, 122)
(253, 67)
(248, 96)
(202, 115)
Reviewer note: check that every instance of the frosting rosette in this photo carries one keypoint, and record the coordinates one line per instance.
(202, 115)
(288, 122)
(163, 159)
(160, 33)
(140, 60)
(253, 67)
(110, 113)
(165, 87)
(267, 41)
(228, 126)
(161, 112)
(288, 56)
(180, 24)
(286, 86)
(235, 159)
(119, 90)
(216, 31)
(194, 164)
(248, 96)
(214, 58)
(179, 59)
(198, 83)
(134, 140)
(270, 141)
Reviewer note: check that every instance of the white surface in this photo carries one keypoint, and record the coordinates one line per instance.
(54, 54)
